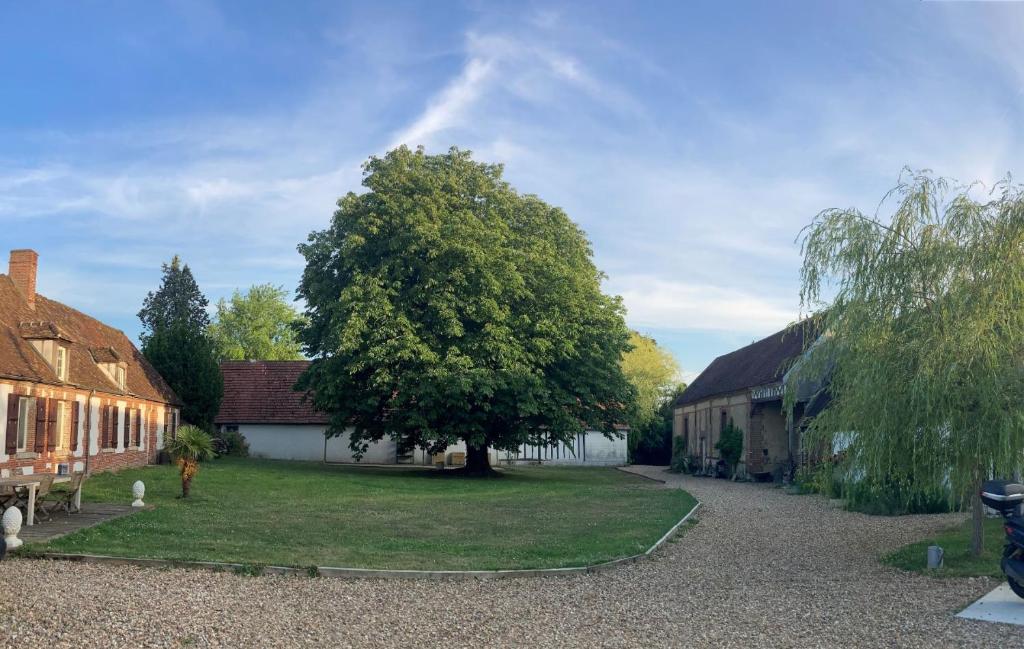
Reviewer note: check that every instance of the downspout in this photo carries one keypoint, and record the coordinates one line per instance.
(87, 442)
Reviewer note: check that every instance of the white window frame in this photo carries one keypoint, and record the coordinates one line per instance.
(62, 422)
(121, 377)
(128, 421)
(24, 404)
(60, 363)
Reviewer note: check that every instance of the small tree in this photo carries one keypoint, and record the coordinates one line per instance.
(730, 446)
(923, 320)
(189, 447)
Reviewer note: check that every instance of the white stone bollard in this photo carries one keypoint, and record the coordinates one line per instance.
(11, 522)
(138, 491)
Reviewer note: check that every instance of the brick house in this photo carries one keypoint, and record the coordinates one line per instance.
(72, 390)
(746, 388)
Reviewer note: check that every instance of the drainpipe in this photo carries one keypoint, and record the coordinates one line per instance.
(88, 427)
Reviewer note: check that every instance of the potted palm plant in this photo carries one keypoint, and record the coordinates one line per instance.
(189, 447)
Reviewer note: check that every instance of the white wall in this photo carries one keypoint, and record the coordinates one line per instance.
(306, 442)
(590, 449)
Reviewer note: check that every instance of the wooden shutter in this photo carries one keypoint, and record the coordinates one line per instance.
(103, 426)
(138, 428)
(115, 421)
(75, 414)
(13, 402)
(52, 434)
(42, 405)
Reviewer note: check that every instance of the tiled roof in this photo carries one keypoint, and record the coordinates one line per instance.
(261, 392)
(104, 355)
(759, 363)
(40, 330)
(20, 361)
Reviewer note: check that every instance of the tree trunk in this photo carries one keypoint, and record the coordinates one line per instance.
(977, 522)
(186, 480)
(478, 462)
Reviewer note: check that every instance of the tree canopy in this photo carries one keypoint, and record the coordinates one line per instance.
(653, 371)
(442, 305)
(176, 343)
(923, 318)
(257, 325)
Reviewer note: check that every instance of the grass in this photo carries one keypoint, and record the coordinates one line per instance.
(263, 512)
(957, 561)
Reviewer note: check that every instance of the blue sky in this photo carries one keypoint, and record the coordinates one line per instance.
(691, 141)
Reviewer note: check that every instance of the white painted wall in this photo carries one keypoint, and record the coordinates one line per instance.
(306, 442)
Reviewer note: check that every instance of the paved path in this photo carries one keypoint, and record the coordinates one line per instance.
(760, 569)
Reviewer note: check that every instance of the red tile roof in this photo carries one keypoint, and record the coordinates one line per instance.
(80, 334)
(260, 392)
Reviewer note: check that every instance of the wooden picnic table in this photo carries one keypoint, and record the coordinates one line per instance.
(31, 482)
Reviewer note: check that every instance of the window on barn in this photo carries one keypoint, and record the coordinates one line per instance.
(121, 377)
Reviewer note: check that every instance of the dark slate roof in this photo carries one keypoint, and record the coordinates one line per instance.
(261, 392)
(759, 363)
(51, 319)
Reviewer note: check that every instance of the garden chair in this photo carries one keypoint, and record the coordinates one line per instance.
(42, 494)
(8, 497)
(63, 496)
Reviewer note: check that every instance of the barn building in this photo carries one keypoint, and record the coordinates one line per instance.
(260, 402)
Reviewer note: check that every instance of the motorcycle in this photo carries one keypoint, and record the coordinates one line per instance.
(1006, 498)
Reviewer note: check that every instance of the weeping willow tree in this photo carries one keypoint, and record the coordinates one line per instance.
(921, 309)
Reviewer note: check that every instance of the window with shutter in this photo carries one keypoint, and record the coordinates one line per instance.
(126, 434)
(75, 418)
(104, 415)
(42, 408)
(115, 417)
(13, 410)
(54, 425)
(137, 437)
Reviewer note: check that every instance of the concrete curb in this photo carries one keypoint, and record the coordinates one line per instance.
(366, 573)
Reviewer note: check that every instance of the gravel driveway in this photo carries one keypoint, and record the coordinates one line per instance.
(761, 569)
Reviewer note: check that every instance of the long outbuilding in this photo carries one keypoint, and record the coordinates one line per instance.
(261, 403)
(745, 388)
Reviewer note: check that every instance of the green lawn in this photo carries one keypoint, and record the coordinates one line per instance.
(305, 514)
(957, 561)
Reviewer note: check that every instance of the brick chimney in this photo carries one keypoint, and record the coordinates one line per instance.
(22, 270)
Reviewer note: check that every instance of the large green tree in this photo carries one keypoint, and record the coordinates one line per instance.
(257, 325)
(442, 305)
(175, 341)
(923, 318)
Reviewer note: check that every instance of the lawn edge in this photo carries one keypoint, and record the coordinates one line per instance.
(367, 573)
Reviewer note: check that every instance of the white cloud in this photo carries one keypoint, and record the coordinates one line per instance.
(656, 302)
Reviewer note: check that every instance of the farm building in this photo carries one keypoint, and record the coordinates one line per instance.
(260, 402)
(745, 388)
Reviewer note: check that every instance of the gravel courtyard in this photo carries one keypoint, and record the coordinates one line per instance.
(761, 569)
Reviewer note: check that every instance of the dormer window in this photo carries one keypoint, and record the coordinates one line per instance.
(121, 376)
(61, 364)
